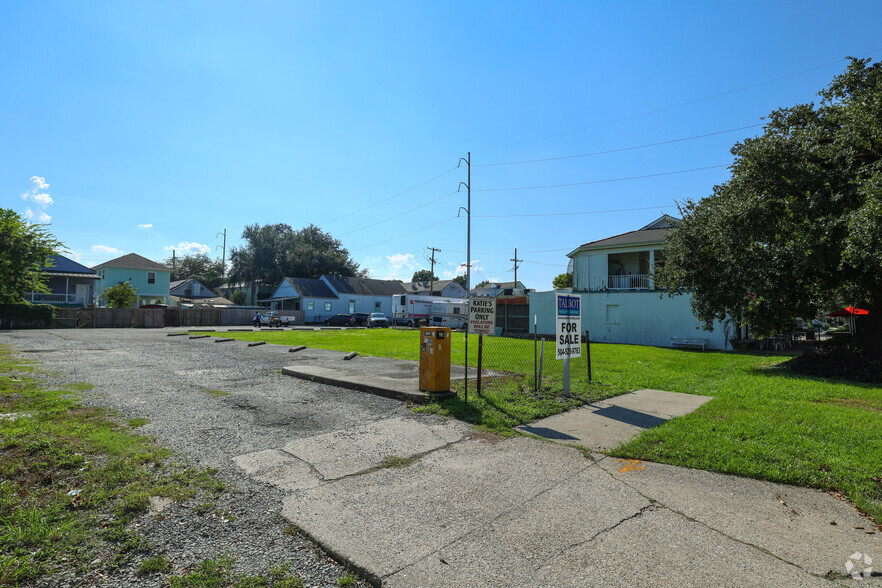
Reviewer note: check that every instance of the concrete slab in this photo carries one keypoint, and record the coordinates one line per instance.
(346, 452)
(662, 548)
(390, 387)
(279, 468)
(795, 524)
(392, 518)
(606, 424)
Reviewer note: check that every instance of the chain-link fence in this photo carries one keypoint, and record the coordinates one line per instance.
(523, 362)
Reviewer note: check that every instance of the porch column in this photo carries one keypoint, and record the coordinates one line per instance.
(651, 279)
(66, 289)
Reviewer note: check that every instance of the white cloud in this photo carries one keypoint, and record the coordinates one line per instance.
(73, 255)
(42, 199)
(403, 261)
(105, 249)
(187, 247)
(145, 226)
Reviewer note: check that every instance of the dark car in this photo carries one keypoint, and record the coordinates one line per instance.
(341, 320)
(378, 319)
(362, 319)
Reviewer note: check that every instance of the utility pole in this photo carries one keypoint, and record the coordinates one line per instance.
(468, 209)
(174, 263)
(516, 260)
(224, 253)
(432, 271)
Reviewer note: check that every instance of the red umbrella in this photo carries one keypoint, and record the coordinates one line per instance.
(849, 311)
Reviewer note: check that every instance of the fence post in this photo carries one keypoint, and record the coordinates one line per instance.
(535, 359)
(588, 353)
(480, 362)
(541, 360)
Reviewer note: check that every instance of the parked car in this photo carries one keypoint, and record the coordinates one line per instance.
(378, 319)
(341, 320)
(272, 318)
(362, 319)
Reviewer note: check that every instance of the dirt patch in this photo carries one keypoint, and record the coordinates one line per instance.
(865, 403)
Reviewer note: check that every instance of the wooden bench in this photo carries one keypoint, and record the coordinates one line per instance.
(688, 342)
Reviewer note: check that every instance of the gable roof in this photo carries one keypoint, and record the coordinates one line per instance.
(419, 287)
(133, 261)
(67, 268)
(654, 232)
(366, 286)
(311, 288)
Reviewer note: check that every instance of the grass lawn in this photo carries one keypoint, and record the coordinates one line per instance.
(765, 422)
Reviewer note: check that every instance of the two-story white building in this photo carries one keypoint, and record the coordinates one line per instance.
(620, 303)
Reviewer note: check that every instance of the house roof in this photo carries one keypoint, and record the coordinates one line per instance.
(214, 301)
(654, 232)
(133, 261)
(420, 287)
(176, 283)
(311, 288)
(367, 286)
(63, 267)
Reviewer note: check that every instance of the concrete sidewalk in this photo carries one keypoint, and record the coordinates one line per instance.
(608, 423)
(487, 511)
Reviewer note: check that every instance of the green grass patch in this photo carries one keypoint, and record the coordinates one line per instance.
(215, 573)
(215, 393)
(72, 478)
(347, 579)
(765, 421)
(153, 565)
(137, 422)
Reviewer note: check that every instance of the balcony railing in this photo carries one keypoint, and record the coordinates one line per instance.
(51, 298)
(632, 282)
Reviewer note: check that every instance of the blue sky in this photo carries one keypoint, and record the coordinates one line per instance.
(145, 127)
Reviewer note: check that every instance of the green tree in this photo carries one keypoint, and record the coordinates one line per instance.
(461, 280)
(423, 276)
(238, 298)
(121, 295)
(272, 252)
(564, 280)
(796, 229)
(482, 284)
(24, 249)
(197, 266)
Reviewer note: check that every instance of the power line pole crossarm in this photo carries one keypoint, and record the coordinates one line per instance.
(516, 260)
(432, 271)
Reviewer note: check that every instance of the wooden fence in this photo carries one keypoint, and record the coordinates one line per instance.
(88, 318)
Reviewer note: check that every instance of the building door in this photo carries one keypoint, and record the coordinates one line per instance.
(351, 306)
(83, 294)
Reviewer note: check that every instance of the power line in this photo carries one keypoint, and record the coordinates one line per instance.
(363, 227)
(406, 234)
(680, 105)
(617, 150)
(670, 173)
(411, 189)
(573, 213)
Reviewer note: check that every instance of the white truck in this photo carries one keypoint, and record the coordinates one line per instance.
(414, 309)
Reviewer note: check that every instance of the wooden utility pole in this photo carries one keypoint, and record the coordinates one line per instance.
(224, 253)
(516, 260)
(432, 271)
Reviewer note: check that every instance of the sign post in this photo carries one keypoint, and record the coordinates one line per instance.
(569, 331)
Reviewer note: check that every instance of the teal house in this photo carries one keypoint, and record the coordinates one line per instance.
(149, 279)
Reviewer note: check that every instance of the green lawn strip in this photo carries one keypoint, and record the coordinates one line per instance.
(215, 573)
(72, 478)
(765, 422)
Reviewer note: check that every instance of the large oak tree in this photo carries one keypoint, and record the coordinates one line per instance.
(797, 230)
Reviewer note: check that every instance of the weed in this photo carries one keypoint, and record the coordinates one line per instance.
(347, 579)
(153, 565)
(393, 461)
(138, 422)
(290, 530)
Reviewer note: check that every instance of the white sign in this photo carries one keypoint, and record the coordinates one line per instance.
(569, 326)
(482, 316)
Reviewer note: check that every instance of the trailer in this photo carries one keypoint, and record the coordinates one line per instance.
(413, 310)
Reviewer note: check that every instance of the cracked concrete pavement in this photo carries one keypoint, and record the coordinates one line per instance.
(462, 508)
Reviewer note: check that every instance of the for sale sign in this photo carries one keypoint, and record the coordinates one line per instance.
(482, 316)
(569, 326)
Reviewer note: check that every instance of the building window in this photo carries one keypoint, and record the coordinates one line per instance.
(612, 314)
(151, 277)
(377, 306)
(351, 306)
(328, 306)
(310, 306)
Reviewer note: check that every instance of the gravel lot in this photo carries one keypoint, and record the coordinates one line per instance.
(145, 373)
